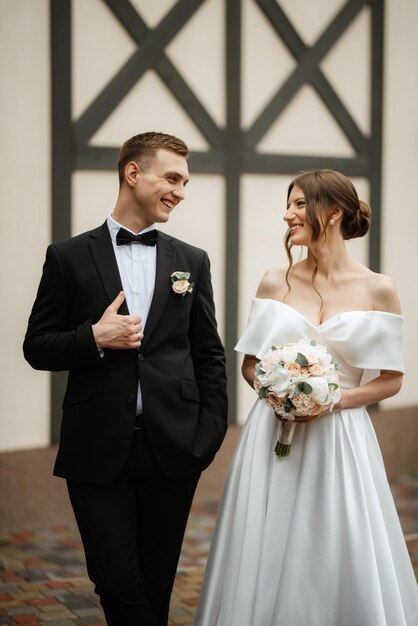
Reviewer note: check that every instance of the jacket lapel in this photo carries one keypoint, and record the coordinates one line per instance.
(104, 258)
(166, 257)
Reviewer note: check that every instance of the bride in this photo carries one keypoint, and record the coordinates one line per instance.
(313, 539)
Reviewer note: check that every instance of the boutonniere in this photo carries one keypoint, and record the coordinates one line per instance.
(181, 284)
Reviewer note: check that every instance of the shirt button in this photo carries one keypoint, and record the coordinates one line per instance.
(140, 357)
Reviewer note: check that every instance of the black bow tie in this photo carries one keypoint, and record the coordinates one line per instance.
(124, 237)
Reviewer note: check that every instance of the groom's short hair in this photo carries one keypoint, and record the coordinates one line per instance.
(145, 145)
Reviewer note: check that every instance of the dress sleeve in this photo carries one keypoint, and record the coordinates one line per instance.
(374, 341)
(253, 339)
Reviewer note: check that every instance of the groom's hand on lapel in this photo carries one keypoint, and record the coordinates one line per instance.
(118, 332)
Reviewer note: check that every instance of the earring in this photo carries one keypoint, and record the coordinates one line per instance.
(332, 222)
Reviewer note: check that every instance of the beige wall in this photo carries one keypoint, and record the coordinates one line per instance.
(25, 209)
(199, 52)
(400, 169)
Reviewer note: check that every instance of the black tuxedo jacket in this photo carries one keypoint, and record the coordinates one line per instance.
(181, 363)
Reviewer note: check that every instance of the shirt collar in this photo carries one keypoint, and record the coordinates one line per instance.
(114, 226)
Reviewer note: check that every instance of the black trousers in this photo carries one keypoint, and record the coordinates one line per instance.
(132, 531)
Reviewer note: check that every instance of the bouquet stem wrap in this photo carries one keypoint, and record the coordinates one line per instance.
(285, 440)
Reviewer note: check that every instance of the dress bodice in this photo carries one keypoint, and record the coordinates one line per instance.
(358, 340)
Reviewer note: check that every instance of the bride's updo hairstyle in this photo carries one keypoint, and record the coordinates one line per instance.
(326, 190)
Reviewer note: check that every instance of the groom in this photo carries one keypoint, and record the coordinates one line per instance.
(129, 312)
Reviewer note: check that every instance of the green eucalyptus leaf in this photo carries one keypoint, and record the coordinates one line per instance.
(301, 360)
(306, 388)
(288, 406)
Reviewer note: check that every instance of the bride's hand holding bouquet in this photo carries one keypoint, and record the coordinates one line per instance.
(300, 381)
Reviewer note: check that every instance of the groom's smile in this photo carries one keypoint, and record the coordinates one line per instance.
(160, 185)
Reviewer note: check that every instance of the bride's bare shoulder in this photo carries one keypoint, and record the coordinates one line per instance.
(273, 284)
(384, 295)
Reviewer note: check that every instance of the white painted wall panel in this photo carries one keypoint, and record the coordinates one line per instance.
(25, 213)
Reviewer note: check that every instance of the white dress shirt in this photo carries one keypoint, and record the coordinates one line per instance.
(137, 265)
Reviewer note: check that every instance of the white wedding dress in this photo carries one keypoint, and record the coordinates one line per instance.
(312, 539)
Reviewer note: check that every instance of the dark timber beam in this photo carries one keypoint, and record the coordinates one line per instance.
(376, 114)
(141, 60)
(232, 202)
(168, 73)
(308, 71)
(290, 164)
(61, 157)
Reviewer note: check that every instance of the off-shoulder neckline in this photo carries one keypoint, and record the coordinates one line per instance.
(333, 317)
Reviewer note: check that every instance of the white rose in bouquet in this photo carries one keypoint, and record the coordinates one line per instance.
(289, 352)
(276, 376)
(281, 385)
(320, 390)
(271, 358)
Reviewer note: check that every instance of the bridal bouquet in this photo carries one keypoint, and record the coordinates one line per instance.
(298, 380)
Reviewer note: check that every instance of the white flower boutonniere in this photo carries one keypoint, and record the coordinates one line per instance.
(181, 284)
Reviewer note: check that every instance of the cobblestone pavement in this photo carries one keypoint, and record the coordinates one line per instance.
(43, 579)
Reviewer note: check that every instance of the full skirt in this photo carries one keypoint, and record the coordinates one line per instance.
(312, 539)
